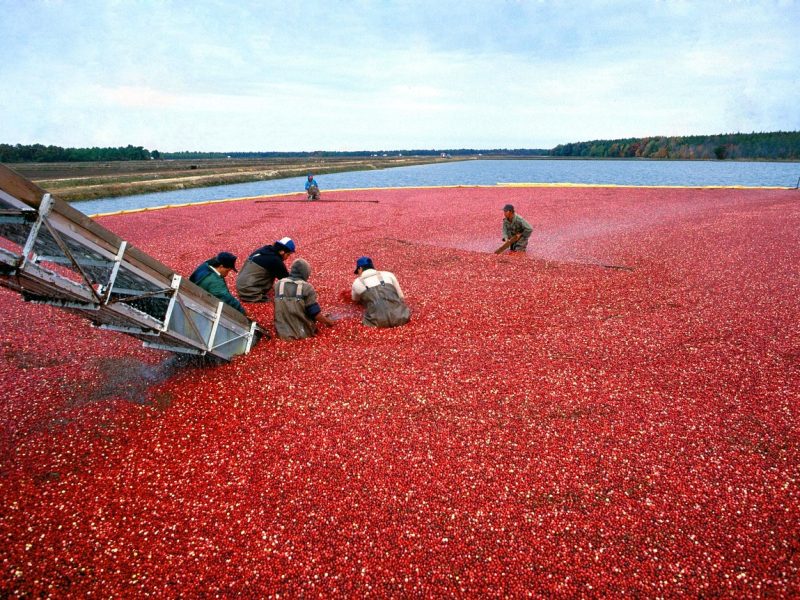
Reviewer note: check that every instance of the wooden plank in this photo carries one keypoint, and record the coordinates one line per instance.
(507, 244)
(20, 187)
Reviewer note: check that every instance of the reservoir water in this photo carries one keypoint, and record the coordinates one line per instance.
(488, 172)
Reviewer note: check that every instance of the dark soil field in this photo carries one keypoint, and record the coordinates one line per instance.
(86, 181)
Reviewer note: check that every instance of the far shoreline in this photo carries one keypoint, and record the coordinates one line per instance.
(79, 182)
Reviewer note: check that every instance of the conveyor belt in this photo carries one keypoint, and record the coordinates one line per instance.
(53, 254)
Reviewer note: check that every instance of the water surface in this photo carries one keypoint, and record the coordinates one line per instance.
(487, 172)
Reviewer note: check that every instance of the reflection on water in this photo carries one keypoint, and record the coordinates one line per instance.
(487, 172)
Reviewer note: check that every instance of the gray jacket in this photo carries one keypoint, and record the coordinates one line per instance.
(296, 304)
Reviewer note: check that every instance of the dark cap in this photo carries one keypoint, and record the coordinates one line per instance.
(364, 262)
(508, 207)
(227, 260)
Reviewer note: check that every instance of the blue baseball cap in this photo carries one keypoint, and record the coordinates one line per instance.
(364, 262)
(287, 243)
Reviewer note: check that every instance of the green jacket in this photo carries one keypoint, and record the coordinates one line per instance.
(208, 279)
(515, 226)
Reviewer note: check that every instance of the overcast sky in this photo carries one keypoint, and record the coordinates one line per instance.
(287, 75)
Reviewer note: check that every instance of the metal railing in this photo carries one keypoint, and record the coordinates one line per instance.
(53, 254)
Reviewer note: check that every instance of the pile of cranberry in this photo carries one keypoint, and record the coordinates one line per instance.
(614, 413)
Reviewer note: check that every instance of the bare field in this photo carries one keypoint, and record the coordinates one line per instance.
(87, 181)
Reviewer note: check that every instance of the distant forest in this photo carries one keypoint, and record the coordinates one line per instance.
(21, 153)
(781, 145)
(777, 145)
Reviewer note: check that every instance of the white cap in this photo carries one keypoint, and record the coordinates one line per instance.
(287, 241)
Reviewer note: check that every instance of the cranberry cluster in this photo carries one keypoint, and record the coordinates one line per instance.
(614, 413)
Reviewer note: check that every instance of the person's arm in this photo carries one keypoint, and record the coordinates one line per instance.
(527, 230)
(393, 280)
(358, 289)
(313, 309)
(276, 267)
(324, 319)
(217, 287)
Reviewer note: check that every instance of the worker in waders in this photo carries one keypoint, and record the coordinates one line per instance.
(515, 226)
(297, 311)
(262, 268)
(380, 293)
(312, 188)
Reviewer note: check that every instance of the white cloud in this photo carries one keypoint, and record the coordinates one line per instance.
(288, 76)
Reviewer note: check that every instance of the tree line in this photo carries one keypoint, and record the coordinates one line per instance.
(776, 145)
(781, 145)
(20, 153)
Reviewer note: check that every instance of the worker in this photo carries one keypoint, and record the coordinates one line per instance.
(297, 311)
(211, 277)
(515, 228)
(380, 293)
(262, 268)
(312, 188)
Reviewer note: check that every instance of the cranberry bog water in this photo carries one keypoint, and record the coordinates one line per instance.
(613, 414)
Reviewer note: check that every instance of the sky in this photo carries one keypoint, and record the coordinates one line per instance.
(286, 75)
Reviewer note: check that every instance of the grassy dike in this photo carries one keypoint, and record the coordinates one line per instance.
(74, 182)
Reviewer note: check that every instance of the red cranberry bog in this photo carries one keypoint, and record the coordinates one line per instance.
(613, 414)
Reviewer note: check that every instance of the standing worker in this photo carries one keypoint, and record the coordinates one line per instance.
(380, 293)
(211, 277)
(515, 228)
(262, 268)
(297, 311)
(312, 188)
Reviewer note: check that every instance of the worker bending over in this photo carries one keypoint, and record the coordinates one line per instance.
(211, 277)
(262, 268)
(297, 311)
(380, 293)
(515, 228)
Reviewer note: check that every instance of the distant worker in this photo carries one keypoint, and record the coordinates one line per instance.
(312, 188)
(262, 268)
(515, 228)
(211, 277)
(380, 293)
(297, 311)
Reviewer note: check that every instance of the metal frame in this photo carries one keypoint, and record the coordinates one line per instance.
(127, 275)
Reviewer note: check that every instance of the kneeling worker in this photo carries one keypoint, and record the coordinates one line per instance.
(211, 277)
(312, 188)
(262, 268)
(380, 294)
(515, 228)
(296, 309)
